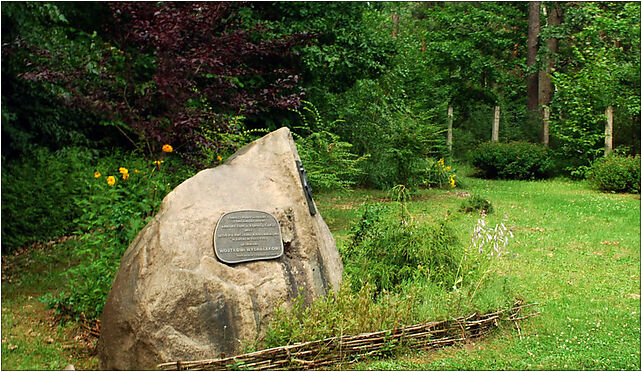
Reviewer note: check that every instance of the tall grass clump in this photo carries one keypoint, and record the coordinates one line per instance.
(389, 249)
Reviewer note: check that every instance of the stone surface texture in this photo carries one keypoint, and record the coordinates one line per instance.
(172, 299)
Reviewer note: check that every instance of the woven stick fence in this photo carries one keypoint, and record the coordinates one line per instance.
(348, 349)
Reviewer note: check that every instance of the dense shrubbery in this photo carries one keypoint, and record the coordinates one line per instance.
(328, 162)
(514, 160)
(38, 193)
(380, 124)
(616, 173)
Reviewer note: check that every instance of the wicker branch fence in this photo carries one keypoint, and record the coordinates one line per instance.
(349, 349)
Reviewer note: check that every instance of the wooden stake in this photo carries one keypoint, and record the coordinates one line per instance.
(545, 122)
(495, 136)
(449, 140)
(608, 131)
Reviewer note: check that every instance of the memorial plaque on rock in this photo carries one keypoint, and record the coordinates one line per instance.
(247, 235)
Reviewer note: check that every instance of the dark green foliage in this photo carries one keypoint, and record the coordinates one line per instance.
(38, 193)
(387, 250)
(346, 45)
(616, 173)
(31, 113)
(514, 160)
(476, 203)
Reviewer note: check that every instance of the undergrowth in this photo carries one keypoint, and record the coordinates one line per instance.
(400, 270)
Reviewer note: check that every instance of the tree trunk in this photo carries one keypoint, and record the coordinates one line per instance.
(449, 139)
(531, 54)
(395, 24)
(554, 18)
(608, 131)
(495, 135)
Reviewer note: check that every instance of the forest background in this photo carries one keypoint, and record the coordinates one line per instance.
(108, 106)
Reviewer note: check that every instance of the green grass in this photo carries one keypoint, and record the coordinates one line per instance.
(576, 252)
(32, 338)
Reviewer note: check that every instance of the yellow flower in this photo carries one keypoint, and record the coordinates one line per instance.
(452, 181)
(125, 176)
(97, 174)
(447, 169)
(219, 158)
(441, 162)
(158, 162)
(111, 180)
(123, 170)
(167, 148)
(136, 171)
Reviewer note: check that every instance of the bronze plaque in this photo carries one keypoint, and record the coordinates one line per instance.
(249, 235)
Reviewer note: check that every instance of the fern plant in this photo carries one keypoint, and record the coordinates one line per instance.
(328, 161)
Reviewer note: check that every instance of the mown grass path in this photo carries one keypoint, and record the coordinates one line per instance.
(576, 252)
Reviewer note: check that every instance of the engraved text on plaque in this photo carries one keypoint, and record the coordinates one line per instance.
(247, 236)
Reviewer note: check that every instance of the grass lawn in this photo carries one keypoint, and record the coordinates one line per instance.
(576, 252)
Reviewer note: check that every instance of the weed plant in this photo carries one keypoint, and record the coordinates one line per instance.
(438, 174)
(476, 203)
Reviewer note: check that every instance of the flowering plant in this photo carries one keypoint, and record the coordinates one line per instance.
(487, 244)
(112, 212)
(438, 174)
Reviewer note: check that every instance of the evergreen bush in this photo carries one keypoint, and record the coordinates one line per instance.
(513, 160)
(616, 173)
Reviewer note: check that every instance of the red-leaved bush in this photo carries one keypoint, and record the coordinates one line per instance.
(172, 68)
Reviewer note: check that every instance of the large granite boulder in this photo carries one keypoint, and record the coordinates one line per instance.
(173, 299)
